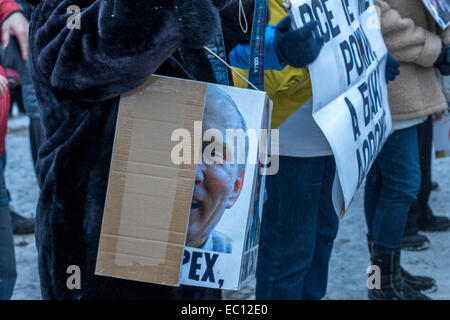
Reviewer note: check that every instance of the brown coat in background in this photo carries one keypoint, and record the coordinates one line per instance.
(414, 39)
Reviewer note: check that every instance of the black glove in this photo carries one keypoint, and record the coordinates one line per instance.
(443, 62)
(392, 70)
(299, 47)
(199, 21)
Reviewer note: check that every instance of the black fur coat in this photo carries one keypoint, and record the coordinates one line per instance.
(79, 75)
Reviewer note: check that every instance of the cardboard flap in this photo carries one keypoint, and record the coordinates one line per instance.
(149, 197)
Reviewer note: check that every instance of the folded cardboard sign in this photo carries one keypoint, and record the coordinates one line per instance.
(171, 215)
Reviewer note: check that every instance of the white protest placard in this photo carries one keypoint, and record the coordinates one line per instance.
(186, 185)
(441, 133)
(350, 99)
(440, 10)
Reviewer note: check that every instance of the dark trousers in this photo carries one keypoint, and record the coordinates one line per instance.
(298, 229)
(7, 258)
(419, 207)
(392, 185)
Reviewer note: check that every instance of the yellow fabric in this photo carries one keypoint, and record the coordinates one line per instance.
(289, 88)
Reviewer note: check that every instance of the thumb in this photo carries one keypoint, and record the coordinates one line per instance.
(285, 24)
(309, 28)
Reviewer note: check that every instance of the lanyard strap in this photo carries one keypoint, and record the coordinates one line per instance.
(217, 53)
(256, 70)
(217, 46)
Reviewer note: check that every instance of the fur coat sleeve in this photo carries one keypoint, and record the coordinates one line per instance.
(87, 63)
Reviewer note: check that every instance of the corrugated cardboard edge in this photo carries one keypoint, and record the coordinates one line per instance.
(269, 106)
(163, 273)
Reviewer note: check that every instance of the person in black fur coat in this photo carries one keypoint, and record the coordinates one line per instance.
(79, 75)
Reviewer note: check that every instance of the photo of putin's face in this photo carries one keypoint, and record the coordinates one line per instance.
(217, 185)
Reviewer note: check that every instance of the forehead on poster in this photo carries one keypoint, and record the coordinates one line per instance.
(224, 130)
(218, 183)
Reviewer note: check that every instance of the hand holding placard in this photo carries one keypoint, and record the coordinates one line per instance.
(443, 62)
(392, 70)
(299, 47)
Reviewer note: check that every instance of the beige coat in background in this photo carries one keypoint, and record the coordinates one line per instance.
(413, 38)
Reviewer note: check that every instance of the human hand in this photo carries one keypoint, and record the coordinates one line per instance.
(299, 47)
(16, 25)
(443, 62)
(392, 68)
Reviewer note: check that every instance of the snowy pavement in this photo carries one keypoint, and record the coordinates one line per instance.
(349, 261)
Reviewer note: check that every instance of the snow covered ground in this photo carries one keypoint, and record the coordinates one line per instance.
(350, 259)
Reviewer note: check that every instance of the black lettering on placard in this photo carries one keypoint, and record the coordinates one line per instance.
(363, 5)
(306, 13)
(355, 126)
(362, 90)
(316, 6)
(348, 59)
(361, 174)
(371, 146)
(335, 30)
(377, 133)
(195, 266)
(209, 273)
(196, 259)
(359, 34)
(382, 125)
(348, 14)
(319, 12)
(367, 153)
(372, 143)
(371, 93)
(357, 52)
(307, 16)
(357, 55)
(372, 102)
(366, 48)
(186, 257)
(375, 92)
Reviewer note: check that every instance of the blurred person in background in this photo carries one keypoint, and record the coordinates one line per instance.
(14, 56)
(299, 223)
(393, 182)
(12, 22)
(7, 259)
